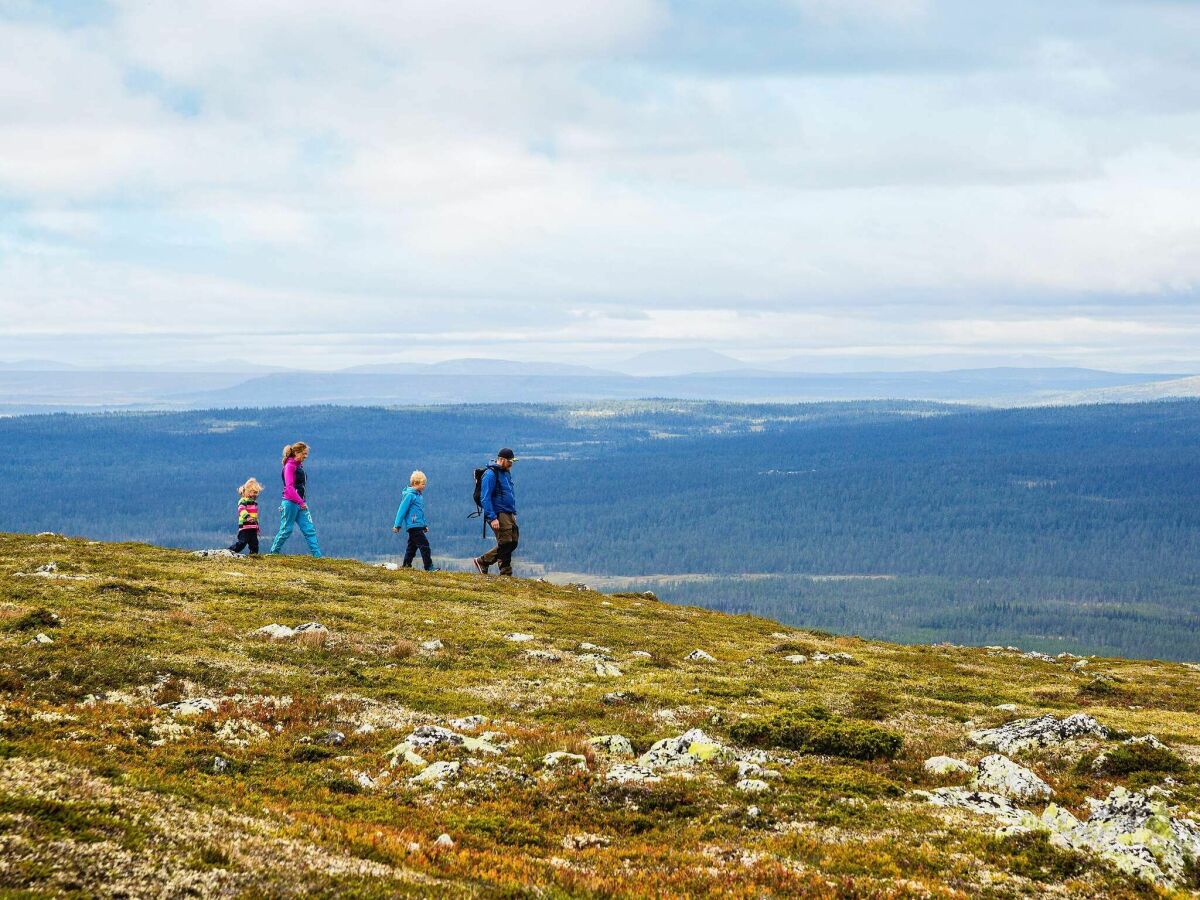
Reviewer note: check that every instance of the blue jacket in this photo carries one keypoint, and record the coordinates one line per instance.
(411, 513)
(496, 492)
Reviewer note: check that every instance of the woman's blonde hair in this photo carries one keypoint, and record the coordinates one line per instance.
(417, 477)
(294, 450)
(250, 485)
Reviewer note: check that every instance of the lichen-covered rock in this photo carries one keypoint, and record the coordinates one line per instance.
(979, 802)
(752, 786)
(432, 646)
(629, 774)
(469, 723)
(607, 670)
(832, 657)
(195, 707)
(436, 735)
(612, 744)
(682, 752)
(437, 774)
(1136, 831)
(998, 774)
(518, 638)
(543, 655)
(404, 751)
(700, 656)
(946, 765)
(1045, 731)
(561, 759)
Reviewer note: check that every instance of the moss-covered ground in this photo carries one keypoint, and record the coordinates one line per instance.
(105, 792)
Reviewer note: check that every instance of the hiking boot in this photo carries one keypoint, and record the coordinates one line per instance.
(479, 566)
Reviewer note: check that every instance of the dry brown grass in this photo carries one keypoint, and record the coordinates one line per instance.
(403, 649)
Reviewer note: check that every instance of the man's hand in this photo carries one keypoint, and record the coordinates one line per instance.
(395, 529)
(495, 523)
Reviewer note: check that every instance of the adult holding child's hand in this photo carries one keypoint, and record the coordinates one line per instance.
(294, 509)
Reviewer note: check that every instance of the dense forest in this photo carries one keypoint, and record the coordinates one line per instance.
(1074, 527)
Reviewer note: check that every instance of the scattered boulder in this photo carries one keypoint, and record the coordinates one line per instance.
(404, 751)
(685, 751)
(194, 707)
(607, 670)
(946, 765)
(700, 656)
(796, 658)
(979, 802)
(311, 628)
(584, 841)
(241, 733)
(220, 764)
(1006, 707)
(469, 723)
(612, 744)
(616, 698)
(50, 570)
(832, 657)
(332, 738)
(444, 841)
(432, 646)
(749, 769)
(543, 655)
(221, 553)
(436, 736)
(1000, 775)
(437, 774)
(561, 759)
(365, 781)
(390, 566)
(275, 632)
(518, 638)
(594, 647)
(752, 786)
(642, 654)
(42, 638)
(1044, 731)
(630, 774)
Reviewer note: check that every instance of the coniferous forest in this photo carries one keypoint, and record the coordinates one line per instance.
(1071, 528)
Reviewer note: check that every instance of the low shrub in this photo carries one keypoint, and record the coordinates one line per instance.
(1129, 759)
(815, 731)
(37, 619)
(1032, 856)
(403, 649)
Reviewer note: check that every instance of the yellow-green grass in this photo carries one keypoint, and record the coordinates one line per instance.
(85, 794)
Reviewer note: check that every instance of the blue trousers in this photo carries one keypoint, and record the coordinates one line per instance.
(291, 515)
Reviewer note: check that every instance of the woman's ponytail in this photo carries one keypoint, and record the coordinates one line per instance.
(291, 450)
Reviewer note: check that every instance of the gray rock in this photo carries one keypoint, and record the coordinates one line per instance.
(832, 657)
(444, 841)
(437, 774)
(220, 764)
(561, 759)
(752, 786)
(978, 802)
(700, 656)
(946, 765)
(469, 723)
(518, 638)
(332, 738)
(1045, 731)
(584, 841)
(194, 707)
(436, 736)
(613, 744)
(607, 670)
(628, 774)
(594, 647)
(689, 749)
(432, 646)
(42, 638)
(1000, 775)
(796, 658)
(543, 655)
(314, 627)
(222, 552)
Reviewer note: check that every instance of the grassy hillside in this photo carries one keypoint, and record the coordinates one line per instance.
(278, 778)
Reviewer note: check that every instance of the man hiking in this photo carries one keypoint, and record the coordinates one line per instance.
(500, 512)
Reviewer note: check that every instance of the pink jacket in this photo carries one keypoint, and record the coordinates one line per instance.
(289, 483)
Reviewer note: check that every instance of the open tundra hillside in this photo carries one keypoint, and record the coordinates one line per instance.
(174, 725)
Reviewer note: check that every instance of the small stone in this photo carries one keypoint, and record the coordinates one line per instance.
(195, 707)
(613, 744)
(946, 765)
(469, 723)
(311, 627)
(752, 812)
(543, 655)
(42, 638)
(700, 656)
(220, 764)
(365, 781)
(607, 670)
(616, 698)
(444, 841)
(276, 632)
(1006, 707)
(832, 657)
(365, 728)
(390, 566)
(642, 654)
(518, 638)
(596, 647)
(796, 658)
(432, 646)
(332, 739)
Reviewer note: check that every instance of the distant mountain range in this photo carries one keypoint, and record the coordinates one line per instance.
(489, 381)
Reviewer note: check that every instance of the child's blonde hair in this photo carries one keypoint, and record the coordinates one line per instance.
(251, 486)
(417, 477)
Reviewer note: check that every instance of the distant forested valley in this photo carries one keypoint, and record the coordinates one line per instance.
(1070, 528)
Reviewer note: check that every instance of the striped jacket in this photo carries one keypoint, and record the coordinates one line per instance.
(248, 513)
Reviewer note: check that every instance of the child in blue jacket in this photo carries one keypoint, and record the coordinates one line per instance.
(411, 517)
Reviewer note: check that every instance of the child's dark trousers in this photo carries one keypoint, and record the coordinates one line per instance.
(418, 541)
(247, 537)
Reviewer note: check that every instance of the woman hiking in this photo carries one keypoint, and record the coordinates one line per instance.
(294, 509)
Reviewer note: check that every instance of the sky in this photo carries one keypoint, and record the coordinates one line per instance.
(317, 184)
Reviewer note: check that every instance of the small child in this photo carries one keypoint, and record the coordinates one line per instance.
(411, 516)
(247, 535)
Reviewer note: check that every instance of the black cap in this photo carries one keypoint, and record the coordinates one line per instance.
(506, 453)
